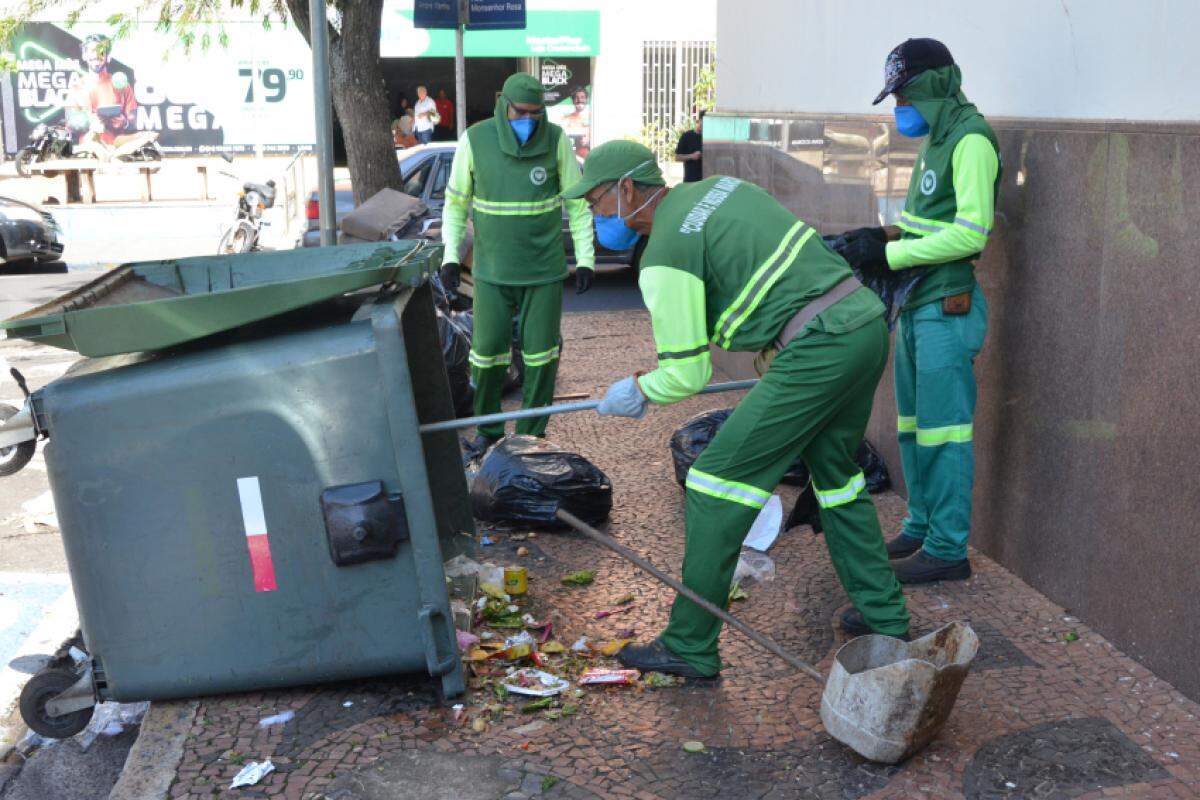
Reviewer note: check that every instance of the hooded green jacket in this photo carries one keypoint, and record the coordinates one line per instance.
(951, 203)
(512, 192)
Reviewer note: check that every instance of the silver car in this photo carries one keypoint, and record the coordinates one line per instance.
(27, 234)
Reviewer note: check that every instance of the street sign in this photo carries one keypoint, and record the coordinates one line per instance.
(435, 14)
(495, 15)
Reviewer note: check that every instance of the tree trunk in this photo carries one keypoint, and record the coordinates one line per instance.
(359, 93)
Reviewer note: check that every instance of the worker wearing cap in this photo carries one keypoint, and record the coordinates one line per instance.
(945, 224)
(509, 170)
(726, 264)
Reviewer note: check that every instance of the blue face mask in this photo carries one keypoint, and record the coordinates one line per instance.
(523, 127)
(611, 230)
(910, 122)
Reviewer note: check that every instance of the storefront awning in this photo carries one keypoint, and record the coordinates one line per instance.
(548, 33)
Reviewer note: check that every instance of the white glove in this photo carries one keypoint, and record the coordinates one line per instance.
(623, 399)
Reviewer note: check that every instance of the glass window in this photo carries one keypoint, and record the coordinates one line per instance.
(414, 184)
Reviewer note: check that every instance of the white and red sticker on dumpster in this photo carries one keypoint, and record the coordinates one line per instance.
(259, 545)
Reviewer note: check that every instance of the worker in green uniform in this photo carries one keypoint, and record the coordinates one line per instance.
(945, 224)
(726, 264)
(509, 170)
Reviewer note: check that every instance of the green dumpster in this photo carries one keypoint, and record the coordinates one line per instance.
(244, 496)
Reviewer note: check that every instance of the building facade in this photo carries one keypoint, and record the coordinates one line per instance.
(1085, 435)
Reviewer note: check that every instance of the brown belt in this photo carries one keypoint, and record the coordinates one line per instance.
(815, 307)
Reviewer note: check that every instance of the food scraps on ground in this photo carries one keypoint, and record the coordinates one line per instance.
(660, 680)
(608, 677)
(610, 648)
(693, 746)
(608, 612)
(625, 600)
(579, 578)
(553, 648)
(479, 725)
(536, 705)
(736, 592)
(535, 683)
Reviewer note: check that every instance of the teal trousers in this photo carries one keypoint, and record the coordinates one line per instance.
(935, 402)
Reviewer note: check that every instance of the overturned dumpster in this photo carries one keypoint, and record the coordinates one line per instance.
(244, 496)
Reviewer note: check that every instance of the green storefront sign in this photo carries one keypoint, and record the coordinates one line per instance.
(548, 33)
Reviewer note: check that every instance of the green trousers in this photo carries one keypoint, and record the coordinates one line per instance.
(935, 402)
(814, 402)
(540, 311)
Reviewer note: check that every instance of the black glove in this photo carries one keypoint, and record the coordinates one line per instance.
(583, 279)
(451, 275)
(865, 249)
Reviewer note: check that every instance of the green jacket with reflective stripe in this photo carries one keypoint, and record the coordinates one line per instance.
(950, 208)
(727, 264)
(513, 192)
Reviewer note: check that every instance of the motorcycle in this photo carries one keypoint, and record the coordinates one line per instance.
(242, 235)
(46, 143)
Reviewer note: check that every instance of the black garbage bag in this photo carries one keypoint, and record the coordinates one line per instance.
(805, 512)
(893, 288)
(874, 470)
(523, 480)
(689, 441)
(454, 332)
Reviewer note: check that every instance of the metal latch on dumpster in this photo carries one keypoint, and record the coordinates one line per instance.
(363, 522)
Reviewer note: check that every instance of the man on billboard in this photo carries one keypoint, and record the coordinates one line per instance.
(102, 105)
(578, 124)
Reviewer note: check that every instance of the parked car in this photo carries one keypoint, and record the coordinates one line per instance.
(425, 170)
(27, 234)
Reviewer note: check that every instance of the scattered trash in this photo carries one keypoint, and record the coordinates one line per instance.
(486, 540)
(463, 567)
(661, 680)
(347, 704)
(495, 591)
(690, 440)
(552, 648)
(765, 529)
(608, 612)
(693, 746)
(754, 565)
(32, 741)
(526, 480)
(626, 633)
(535, 683)
(536, 705)
(466, 640)
(1070, 636)
(111, 719)
(39, 513)
(582, 645)
(78, 656)
(610, 649)
(736, 592)
(626, 599)
(252, 773)
(278, 719)
(458, 710)
(516, 581)
(479, 724)
(580, 578)
(522, 552)
(454, 332)
(608, 677)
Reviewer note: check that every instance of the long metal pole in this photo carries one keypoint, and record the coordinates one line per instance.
(318, 21)
(561, 408)
(720, 613)
(460, 70)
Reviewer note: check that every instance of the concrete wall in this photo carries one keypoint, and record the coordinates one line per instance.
(1086, 437)
(1084, 59)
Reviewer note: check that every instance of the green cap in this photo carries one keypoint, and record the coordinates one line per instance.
(614, 160)
(522, 87)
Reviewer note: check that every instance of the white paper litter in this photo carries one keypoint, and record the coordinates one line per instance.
(581, 646)
(347, 704)
(463, 567)
(111, 719)
(252, 773)
(765, 529)
(545, 684)
(278, 719)
(39, 513)
(77, 655)
(754, 565)
(524, 637)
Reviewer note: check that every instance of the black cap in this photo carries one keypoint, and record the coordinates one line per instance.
(908, 60)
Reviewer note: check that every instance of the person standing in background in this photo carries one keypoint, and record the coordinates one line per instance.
(426, 116)
(690, 151)
(445, 109)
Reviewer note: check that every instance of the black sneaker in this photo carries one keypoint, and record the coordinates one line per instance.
(475, 448)
(921, 567)
(854, 625)
(655, 657)
(902, 546)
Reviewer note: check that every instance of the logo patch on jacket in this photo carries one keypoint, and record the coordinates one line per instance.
(537, 176)
(928, 182)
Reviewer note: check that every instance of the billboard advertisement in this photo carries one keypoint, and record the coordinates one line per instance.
(567, 83)
(253, 93)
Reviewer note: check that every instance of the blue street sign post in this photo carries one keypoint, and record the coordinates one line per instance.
(475, 15)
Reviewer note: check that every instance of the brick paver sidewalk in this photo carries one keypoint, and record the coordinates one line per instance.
(1042, 715)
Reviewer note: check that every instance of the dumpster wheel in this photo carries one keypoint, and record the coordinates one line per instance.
(41, 689)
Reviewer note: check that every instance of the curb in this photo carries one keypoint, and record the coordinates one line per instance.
(58, 625)
(152, 762)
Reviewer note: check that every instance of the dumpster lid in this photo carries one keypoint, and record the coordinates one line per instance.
(155, 304)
